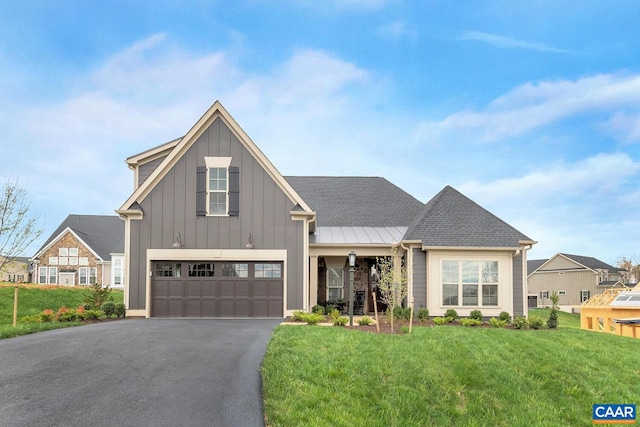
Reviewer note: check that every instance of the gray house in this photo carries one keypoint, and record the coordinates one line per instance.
(212, 229)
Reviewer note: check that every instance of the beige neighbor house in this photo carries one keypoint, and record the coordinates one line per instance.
(83, 250)
(17, 270)
(212, 229)
(575, 278)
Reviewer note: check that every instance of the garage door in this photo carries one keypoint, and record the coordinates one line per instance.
(217, 289)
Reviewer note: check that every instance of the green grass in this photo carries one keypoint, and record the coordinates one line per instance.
(33, 299)
(317, 376)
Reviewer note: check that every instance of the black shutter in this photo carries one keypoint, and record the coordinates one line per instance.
(234, 191)
(201, 191)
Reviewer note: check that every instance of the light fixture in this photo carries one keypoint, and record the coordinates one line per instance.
(352, 259)
(250, 244)
(178, 243)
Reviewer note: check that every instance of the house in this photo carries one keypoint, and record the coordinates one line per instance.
(17, 270)
(213, 229)
(83, 250)
(574, 277)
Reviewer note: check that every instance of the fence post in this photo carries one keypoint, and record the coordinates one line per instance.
(15, 306)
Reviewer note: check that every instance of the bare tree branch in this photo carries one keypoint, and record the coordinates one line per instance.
(18, 228)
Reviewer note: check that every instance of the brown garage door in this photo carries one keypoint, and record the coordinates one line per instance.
(216, 289)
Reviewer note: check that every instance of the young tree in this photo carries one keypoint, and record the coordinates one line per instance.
(18, 228)
(392, 280)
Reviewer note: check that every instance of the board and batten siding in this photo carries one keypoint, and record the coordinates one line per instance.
(145, 170)
(170, 208)
(419, 279)
(572, 282)
(518, 289)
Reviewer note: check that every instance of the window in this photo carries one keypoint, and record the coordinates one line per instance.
(42, 274)
(217, 188)
(73, 251)
(268, 270)
(168, 269)
(53, 260)
(53, 275)
(584, 295)
(205, 269)
(118, 271)
(83, 260)
(335, 283)
(562, 293)
(83, 275)
(73, 260)
(235, 270)
(93, 275)
(469, 279)
(544, 294)
(63, 251)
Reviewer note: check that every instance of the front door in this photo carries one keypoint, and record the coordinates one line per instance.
(67, 279)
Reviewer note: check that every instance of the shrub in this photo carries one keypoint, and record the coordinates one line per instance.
(401, 313)
(47, 315)
(504, 316)
(108, 308)
(93, 314)
(334, 314)
(33, 318)
(423, 314)
(340, 321)
(552, 322)
(470, 322)
(536, 323)
(451, 313)
(96, 296)
(476, 314)
(120, 310)
(318, 309)
(439, 321)
(365, 320)
(313, 318)
(404, 329)
(298, 316)
(498, 323)
(65, 314)
(520, 322)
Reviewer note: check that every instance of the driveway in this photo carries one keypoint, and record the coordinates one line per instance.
(201, 372)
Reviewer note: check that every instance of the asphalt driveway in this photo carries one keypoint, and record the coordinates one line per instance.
(201, 372)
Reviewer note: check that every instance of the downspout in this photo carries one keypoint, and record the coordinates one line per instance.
(525, 284)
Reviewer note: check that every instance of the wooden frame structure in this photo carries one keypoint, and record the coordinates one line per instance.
(597, 314)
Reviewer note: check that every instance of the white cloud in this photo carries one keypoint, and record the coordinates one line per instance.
(531, 106)
(507, 42)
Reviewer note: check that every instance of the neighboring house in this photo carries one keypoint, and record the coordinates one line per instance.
(17, 270)
(574, 277)
(213, 229)
(83, 250)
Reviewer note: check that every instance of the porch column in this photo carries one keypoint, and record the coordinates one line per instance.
(313, 281)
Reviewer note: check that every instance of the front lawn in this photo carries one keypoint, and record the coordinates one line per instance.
(447, 375)
(33, 299)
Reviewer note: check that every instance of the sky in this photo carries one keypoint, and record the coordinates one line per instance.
(531, 109)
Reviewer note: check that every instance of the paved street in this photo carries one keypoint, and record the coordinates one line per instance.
(201, 372)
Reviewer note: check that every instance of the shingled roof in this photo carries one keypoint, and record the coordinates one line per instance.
(592, 263)
(104, 234)
(356, 201)
(451, 219)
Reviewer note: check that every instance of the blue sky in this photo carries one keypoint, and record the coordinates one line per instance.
(531, 109)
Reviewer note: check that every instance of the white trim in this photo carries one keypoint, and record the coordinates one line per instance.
(252, 255)
(60, 236)
(217, 162)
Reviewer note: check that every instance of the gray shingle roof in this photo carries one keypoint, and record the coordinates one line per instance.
(533, 264)
(451, 219)
(102, 233)
(593, 263)
(356, 201)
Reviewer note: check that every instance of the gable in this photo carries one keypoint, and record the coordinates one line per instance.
(450, 219)
(218, 114)
(559, 262)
